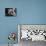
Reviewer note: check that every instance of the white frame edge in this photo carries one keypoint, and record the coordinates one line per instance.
(18, 33)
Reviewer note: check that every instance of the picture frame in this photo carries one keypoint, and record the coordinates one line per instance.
(10, 12)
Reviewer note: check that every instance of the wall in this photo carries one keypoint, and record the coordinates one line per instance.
(28, 12)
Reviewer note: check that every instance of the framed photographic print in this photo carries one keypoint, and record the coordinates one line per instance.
(10, 11)
(33, 32)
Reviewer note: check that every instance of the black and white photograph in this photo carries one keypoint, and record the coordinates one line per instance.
(10, 12)
(30, 34)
